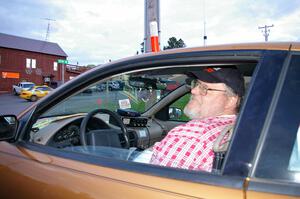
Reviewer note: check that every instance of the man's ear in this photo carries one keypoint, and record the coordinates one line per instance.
(232, 102)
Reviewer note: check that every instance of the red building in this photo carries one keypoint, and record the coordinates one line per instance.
(23, 59)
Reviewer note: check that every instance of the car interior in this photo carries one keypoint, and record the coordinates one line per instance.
(124, 122)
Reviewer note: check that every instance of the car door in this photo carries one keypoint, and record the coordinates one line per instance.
(49, 172)
(35, 174)
(276, 170)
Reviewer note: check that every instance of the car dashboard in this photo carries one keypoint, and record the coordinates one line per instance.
(64, 132)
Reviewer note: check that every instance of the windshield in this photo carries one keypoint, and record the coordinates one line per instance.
(28, 85)
(31, 88)
(136, 92)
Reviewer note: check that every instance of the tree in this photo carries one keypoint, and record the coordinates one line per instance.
(174, 43)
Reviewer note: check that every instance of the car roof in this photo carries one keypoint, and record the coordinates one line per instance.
(285, 46)
(26, 82)
(295, 46)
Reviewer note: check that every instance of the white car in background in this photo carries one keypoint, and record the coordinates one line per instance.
(22, 86)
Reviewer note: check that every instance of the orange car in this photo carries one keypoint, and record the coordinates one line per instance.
(73, 145)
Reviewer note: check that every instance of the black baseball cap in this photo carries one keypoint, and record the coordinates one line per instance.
(230, 76)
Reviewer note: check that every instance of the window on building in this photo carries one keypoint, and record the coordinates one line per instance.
(33, 63)
(30, 63)
(55, 66)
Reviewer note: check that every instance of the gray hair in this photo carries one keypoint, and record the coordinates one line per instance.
(231, 93)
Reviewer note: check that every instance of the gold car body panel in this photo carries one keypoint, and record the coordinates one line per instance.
(46, 176)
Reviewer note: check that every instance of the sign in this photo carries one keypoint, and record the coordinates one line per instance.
(10, 75)
(62, 61)
(124, 104)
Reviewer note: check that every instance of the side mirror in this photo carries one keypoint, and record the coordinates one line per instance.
(8, 126)
(175, 113)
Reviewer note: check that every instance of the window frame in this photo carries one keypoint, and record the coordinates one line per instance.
(31, 63)
(28, 63)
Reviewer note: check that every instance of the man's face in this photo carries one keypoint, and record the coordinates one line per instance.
(207, 103)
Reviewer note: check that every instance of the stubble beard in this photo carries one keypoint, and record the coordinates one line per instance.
(190, 112)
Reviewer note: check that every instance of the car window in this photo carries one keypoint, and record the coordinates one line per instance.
(44, 88)
(27, 85)
(136, 97)
(135, 92)
(279, 159)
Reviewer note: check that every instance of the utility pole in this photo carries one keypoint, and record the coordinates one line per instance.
(266, 31)
(48, 28)
(204, 25)
(151, 15)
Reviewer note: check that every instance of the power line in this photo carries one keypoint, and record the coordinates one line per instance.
(266, 31)
(48, 28)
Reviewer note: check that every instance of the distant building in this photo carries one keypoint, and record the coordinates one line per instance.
(24, 59)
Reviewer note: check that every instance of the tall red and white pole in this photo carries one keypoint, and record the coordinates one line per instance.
(154, 36)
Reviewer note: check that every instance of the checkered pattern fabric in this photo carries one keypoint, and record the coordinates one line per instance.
(189, 146)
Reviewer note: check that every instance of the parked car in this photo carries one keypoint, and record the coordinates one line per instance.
(101, 86)
(22, 86)
(114, 85)
(81, 146)
(91, 90)
(35, 92)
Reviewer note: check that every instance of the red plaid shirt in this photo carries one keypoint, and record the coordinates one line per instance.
(189, 146)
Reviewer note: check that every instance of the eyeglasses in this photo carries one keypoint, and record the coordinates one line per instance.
(202, 87)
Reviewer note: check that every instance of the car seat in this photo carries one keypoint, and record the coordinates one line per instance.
(220, 148)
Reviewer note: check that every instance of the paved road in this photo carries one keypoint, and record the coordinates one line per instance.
(10, 104)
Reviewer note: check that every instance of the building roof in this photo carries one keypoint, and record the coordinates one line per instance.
(26, 44)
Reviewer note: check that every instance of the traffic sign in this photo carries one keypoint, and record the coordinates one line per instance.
(62, 61)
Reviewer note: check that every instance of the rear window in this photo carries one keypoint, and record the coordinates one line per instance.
(28, 85)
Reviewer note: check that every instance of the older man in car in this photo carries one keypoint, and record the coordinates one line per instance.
(216, 95)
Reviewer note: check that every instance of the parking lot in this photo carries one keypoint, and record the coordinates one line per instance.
(11, 104)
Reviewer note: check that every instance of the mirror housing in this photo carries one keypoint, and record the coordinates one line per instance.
(147, 83)
(8, 126)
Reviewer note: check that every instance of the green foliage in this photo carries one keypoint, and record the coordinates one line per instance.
(174, 43)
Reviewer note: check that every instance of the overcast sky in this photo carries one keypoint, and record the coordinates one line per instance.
(94, 31)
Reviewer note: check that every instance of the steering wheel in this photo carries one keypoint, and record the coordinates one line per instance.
(103, 135)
